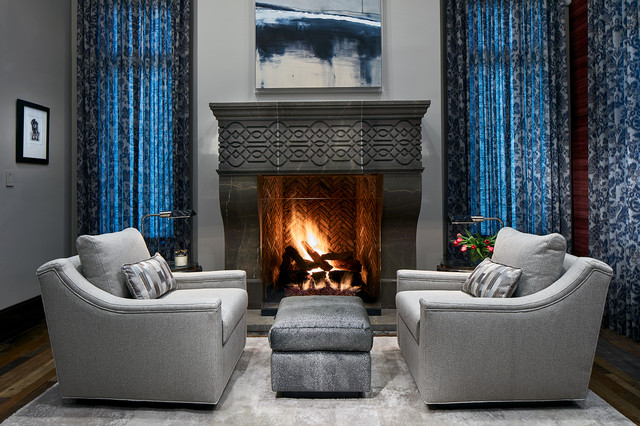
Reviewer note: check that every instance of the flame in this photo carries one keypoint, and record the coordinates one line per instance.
(302, 229)
(345, 284)
(322, 284)
(305, 230)
(334, 285)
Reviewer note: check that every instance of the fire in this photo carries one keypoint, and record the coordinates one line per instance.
(326, 278)
(305, 230)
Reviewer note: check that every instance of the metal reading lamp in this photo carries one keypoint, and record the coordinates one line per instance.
(179, 261)
(469, 220)
(173, 214)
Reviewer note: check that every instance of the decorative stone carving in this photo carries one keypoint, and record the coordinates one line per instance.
(308, 137)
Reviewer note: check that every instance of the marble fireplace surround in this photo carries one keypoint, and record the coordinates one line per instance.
(328, 137)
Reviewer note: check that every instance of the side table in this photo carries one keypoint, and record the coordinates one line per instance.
(191, 267)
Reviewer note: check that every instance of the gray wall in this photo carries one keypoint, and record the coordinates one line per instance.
(224, 72)
(35, 214)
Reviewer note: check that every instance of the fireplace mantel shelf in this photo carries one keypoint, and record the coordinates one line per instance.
(320, 110)
(323, 171)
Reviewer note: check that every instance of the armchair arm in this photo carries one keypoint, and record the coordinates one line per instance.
(409, 279)
(453, 303)
(61, 271)
(211, 279)
(585, 281)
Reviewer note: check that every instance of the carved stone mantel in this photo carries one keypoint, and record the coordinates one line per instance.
(308, 137)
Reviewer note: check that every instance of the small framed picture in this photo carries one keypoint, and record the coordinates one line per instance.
(32, 133)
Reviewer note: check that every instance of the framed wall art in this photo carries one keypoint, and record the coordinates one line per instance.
(32, 133)
(306, 44)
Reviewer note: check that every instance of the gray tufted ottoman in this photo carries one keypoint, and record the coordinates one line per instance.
(321, 344)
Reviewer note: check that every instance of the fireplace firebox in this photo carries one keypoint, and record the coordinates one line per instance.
(320, 197)
(320, 235)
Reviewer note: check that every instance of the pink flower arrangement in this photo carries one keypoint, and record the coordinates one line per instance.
(478, 246)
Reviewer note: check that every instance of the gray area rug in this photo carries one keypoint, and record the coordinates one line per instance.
(248, 400)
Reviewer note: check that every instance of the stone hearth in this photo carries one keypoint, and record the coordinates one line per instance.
(373, 138)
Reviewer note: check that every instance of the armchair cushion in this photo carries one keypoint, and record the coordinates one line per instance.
(540, 258)
(408, 305)
(102, 257)
(492, 279)
(150, 278)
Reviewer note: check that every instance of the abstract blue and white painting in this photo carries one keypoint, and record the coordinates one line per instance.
(318, 44)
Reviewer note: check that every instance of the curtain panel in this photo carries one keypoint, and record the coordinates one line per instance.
(133, 117)
(508, 115)
(614, 155)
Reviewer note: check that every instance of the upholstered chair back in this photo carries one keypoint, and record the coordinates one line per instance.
(102, 257)
(540, 257)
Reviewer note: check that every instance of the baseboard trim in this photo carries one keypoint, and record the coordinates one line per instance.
(19, 318)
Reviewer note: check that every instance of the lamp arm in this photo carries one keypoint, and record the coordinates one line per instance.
(172, 214)
(146, 216)
(482, 219)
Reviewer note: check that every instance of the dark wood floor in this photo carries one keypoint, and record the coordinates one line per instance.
(27, 370)
(615, 376)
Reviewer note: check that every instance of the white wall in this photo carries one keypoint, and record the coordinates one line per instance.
(35, 213)
(224, 72)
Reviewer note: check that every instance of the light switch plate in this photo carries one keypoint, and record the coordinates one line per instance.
(9, 178)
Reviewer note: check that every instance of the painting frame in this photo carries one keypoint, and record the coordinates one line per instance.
(32, 133)
(318, 45)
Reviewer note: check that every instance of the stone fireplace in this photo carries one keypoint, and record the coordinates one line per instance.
(320, 197)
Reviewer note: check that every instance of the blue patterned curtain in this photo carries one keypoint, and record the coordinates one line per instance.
(133, 117)
(614, 155)
(508, 114)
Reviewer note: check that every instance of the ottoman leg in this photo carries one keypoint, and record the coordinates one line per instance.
(320, 371)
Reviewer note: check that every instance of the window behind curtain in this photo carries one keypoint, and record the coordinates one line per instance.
(133, 124)
(507, 93)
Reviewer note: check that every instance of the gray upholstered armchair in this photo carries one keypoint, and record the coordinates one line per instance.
(536, 346)
(181, 347)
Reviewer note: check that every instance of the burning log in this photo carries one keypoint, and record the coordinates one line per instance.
(294, 275)
(294, 268)
(341, 276)
(290, 253)
(319, 277)
(352, 265)
(354, 279)
(338, 256)
(344, 260)
(322, 264)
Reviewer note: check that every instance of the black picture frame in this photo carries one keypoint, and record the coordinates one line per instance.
(32, 133)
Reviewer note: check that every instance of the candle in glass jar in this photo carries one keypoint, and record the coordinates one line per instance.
(180, 260)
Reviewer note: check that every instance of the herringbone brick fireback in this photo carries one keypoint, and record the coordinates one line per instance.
(345, 209)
